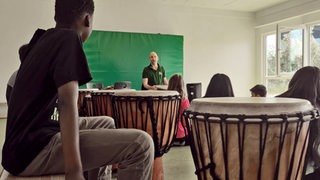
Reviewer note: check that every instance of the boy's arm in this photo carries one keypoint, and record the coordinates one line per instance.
(69, 124)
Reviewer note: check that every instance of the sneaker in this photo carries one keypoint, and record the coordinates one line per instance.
(179, 142)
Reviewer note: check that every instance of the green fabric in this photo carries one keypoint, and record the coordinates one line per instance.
(122, 56)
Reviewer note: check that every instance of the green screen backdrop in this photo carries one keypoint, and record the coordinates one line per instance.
(121, 56)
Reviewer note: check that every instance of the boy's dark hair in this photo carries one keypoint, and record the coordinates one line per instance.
(259, 89)
(68, 11)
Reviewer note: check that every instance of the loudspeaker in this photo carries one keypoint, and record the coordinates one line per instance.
(194, 90)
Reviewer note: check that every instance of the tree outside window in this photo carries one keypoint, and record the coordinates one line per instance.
(279, 72)
(315, 45)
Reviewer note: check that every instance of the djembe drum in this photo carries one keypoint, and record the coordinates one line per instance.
(249, 138)
(155, 112)
(101, 101)
(84, 102)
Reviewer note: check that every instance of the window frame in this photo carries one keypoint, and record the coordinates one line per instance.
(305, 52)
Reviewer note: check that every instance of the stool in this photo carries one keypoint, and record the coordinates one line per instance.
(6, 176)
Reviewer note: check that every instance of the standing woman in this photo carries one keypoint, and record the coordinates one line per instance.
(176, 83)
(305, 85)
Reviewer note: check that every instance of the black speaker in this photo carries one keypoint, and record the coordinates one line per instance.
(194, 91)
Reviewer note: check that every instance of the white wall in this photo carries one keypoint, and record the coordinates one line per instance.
(214, 41)
(19, 19)
(288, 10)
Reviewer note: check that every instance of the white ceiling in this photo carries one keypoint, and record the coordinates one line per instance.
(237, 5)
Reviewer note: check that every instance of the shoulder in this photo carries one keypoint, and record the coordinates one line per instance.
(147, 68)
(63, 32)
(161, 67)
(185, 101)
(67, 36)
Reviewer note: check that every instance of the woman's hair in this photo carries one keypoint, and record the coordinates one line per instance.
(219, 86)
(68, 11)
(176, 83)
(305, 85)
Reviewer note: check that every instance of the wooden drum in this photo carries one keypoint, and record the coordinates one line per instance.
(84, 102)
(249, 138)
(101, 101)
(155, 112)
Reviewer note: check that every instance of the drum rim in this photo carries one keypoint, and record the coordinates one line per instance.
(236, 118)
(249, 100)
(250, 105)
(147, 93)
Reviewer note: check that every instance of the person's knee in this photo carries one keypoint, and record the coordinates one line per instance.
(109, 122)
(96, 122)
(145, 141)
(104, 122)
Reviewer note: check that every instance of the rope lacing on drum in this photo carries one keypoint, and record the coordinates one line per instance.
(284, 118)
(314, 116)
(154, 128)
(139, 112)
(211, 166)
(299, 126)
(262, 141)
(285, 123)
(174, 104)
(158, 141)
(224, 137)
(241, 142)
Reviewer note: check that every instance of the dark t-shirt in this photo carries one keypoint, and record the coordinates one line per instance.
(155, 77)
(55, 59)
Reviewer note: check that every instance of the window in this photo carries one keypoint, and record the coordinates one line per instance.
(281, 65)
(291, 48)
(315, 45)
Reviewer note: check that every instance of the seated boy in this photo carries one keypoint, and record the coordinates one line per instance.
(53, 68)
(258, 90)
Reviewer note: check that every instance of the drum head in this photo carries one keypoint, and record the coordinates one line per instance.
(111, 91)
(147, 93)
(249, 105)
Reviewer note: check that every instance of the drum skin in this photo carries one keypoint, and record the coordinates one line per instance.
(249, 138)
(155, 112)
